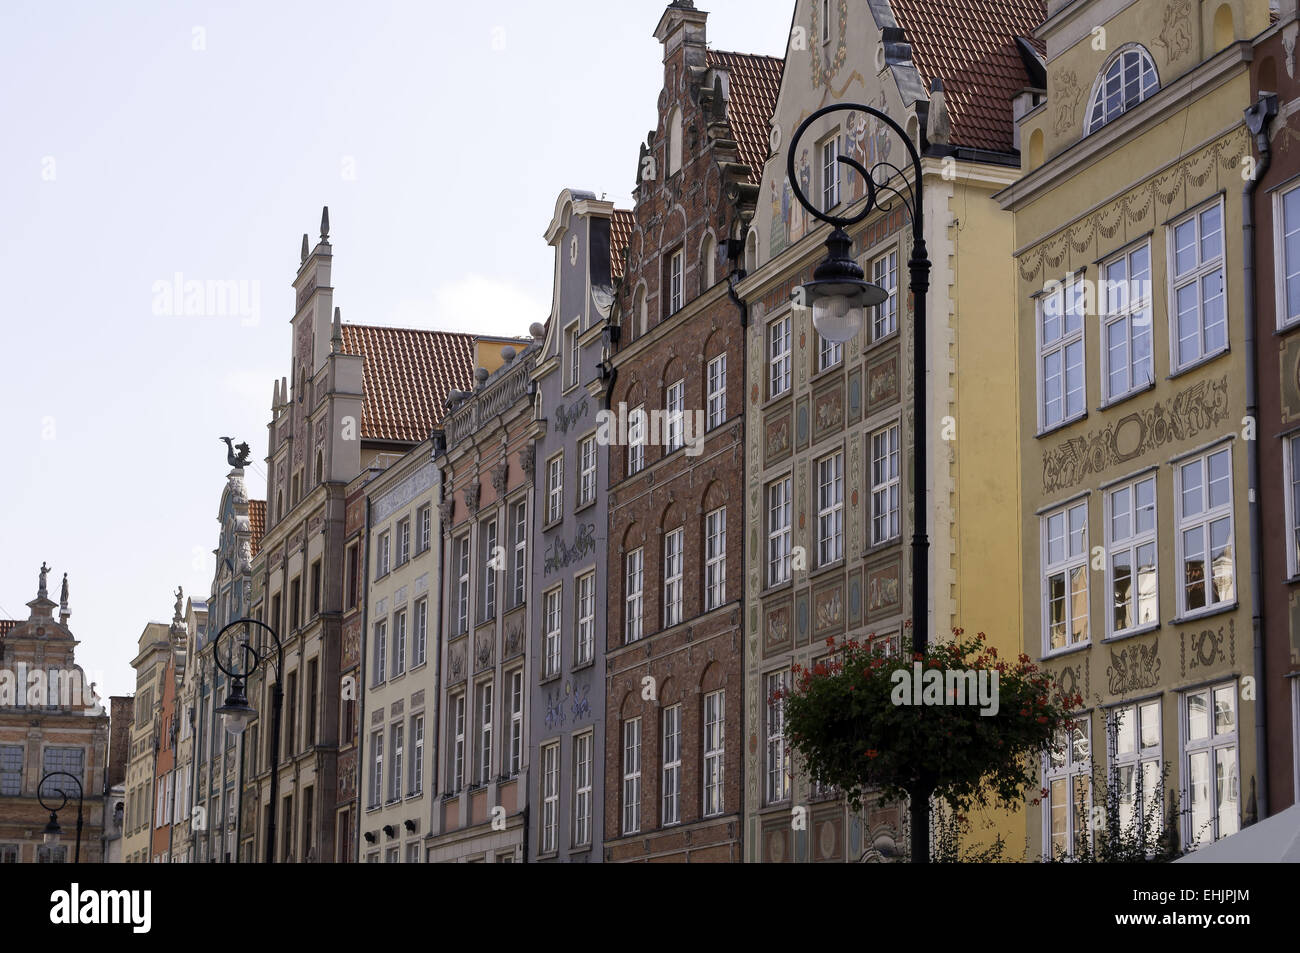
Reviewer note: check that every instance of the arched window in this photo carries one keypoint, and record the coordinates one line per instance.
(1129, 78)
(675, 141)
(707, 259)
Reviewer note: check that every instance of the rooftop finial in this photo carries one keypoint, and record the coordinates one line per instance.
(42, 592)
(337, 336)
(64, 611)
(325, 224)
(304, 249)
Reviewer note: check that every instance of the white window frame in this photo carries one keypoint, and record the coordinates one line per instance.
(1142, 794)
(398, 732)
(1125, 303)
(1127, 546)
(634, 595)
(582, 788)
(403, 541)
(1291, 498)
(584, 633)
(716, 402)
(555, 488)
(778, 356)
(636, 439)
(886, 485)
(715, 558)
(587, 470)
(1066, 566)
(631, 802)
(1071, 300)
(1211, 745)
(1204, 268)
(380, 655)
(377, 768)
(671, 753)
(462, 586)
(573, 367)
(780, 510)
(382, 557)
(776, 773)
(830, 508)
(829, 353)
(417, 757)
(425, 516)
(828, 152)
(421, 647)
(714, 753)
(550, 798)
(399, 642)
(884, 273)
(1074, 768)
(676, 280)
(491, 540)
(1101, 108)
(674, 562)
(519, 569)
(516, 722)
(1206, 518)
(458, 742)
(484, 692)
(1285, 273)
(674, 409)
(553, 614)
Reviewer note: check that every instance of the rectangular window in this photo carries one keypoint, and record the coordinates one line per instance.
(582, 790)
(884, 273)
(716, 401)
(636, 439)
(675, 276)
(1067, 777)
(417, 757)
(485, 733)
(424, 519)
(778, 771)
(462, 585)
(413, 853)
(1197, 299)
(291, 713)
(551, 636)
(458, 743)
(674, 408)
(555, 488)
(573, 367)
(421, 646)
(830, 152)
(295, 604)
(550, 797)
(380, 660)
(826, 20)
(1286, 246)
(516, 722)
(404, 541)
(1131, 545)
(830, 509)
(313, 687)
(491, 562)
(672, 757)
(715, 558)
(1060, 355)
(778, 357)
(633, 598)
(381, 556)
(399, 642)
(1291, 482)
(395, 772)
(1210, 767)
(632, 776)
(673, 545)
(885, 486)
(1203, 500)
(829, 353)
(1127, 362)
(351, 575)
(315, 589)
(376, 767)
(519, 557)
(1136, 768)
(587, 470)
(1065, 576)
(11, 770)
(713, 752)
(584, 649)
(778, 531)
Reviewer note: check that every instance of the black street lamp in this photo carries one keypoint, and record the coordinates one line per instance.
(237, 712)
(52, 831)
(837, 295)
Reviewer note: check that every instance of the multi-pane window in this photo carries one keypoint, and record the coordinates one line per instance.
(674, 409)
(884, 485)
(421, 632)
(519, 563)
(675, 276)
(1131, 545)
(636, 439)
(1127, 361)
(395, 771)
(1067, 778)
(1210, 763)
(587, 470)
(491, 562)
(424, 519)
(582, 789)
(1200, 318)
(674, 541)
(376, 768)
(1291, 480)
(633, 597)
(884, 274)
(672, 757)
(777, 770)
(417, 756)
(550, 797)
(382, 556)
(573, 370)
(1203, 500)
(778, 531)
(715, 558)
(632, 776)
(516, 722)
(1129, 79)
(584, 648)
(713, 752)
(551, 636)
(716, 401)
(462, 584)
(830, 151)
(1286, 243)
(1136, 768)
(778, 357)
(11, 770)
(1065, 576)
(555, 488)
(1060, 354)
(458, 743)
(381, 651)
(829, 353)
(485, 733)
(830, 509)
(403, 541)
(399, 642)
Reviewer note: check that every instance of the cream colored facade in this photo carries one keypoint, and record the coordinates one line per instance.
(150, 664)
(1133, 467)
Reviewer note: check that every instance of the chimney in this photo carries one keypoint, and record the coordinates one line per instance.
(682, 26)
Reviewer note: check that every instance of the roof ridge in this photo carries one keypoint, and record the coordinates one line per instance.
(402, 327)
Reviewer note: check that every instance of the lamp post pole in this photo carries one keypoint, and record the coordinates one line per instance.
(238, 713)
(838, 289)
(52, 828)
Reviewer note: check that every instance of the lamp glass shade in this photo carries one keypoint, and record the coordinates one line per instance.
(52, 831)
(838, 307)
(237, 721)
(236, 712)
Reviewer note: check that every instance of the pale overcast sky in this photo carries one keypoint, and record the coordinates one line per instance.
(143, 140)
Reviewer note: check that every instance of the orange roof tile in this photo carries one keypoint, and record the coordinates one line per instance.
(621, 224)
(257, 522)
(754, 81)
(407, 375)
(971, 46)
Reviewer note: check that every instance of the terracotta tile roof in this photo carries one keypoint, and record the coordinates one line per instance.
(408, 373)
(257, 522)
(971, 46)
(755, 81)
(621, 224)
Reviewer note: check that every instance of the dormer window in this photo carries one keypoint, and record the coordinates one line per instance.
(1129, 78)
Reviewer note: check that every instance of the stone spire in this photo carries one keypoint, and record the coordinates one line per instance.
(336, 336)
(305, 251)
(64, 611)
(325, 224)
